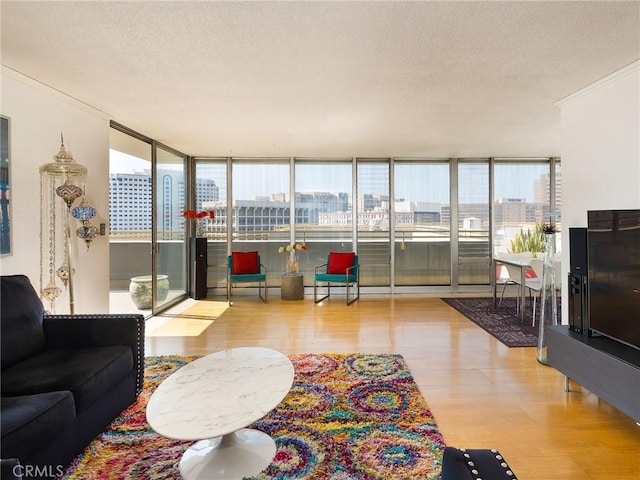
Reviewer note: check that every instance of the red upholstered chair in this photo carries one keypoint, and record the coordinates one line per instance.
(341, 268)
(245, 267)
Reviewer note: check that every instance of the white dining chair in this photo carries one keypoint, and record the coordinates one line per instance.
(535, 284)
(512, 275)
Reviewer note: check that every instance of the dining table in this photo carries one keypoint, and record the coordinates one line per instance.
(522, 264)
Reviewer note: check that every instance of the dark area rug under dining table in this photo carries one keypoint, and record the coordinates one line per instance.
(502, 322)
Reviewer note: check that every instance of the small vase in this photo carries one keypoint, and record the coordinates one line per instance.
(292, 262)
(548, 302)
(199, 229)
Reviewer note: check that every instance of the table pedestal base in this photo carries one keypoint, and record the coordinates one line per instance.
(240, 454)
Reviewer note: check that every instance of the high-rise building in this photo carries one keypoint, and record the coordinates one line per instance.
(130, 204)
(130, 199)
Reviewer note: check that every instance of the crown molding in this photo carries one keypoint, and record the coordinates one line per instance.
(36, 84)
(618, 74)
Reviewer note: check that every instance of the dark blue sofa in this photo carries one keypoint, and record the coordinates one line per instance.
(64, 378)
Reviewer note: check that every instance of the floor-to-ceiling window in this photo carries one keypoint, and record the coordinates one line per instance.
(211, 194)
(140, 171)
(555, 193)
(130, 192)
(373, 222)
(444, 217)
(170, 240)
(422, 223)
(522, 202)
(324, 209)
(473, 255)
(260, 214)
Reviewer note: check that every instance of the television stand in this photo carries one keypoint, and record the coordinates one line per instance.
(605, 367)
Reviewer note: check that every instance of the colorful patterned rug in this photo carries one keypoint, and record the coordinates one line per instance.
(347, 417)
(503, 322)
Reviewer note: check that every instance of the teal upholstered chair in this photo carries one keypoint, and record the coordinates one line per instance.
(245, 267)
(341, 268)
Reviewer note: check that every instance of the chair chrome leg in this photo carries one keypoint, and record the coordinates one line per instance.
(504, 287)
(260, 287)
(315, 292)
(357, 287)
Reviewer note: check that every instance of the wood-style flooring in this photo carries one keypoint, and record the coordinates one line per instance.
(482, 394)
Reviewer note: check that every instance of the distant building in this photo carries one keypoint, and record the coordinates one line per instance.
(418, 213)
(542, 193)
(515, 211)
(130, 203)
(130, 196)
(130, 200)
(477, 211)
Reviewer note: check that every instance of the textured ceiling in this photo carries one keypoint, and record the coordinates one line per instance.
(434, 79)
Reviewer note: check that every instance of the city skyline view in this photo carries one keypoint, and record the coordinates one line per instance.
(256, 180)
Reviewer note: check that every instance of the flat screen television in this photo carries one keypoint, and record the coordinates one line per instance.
(613, 243)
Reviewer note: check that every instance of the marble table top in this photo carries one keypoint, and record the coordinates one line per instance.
(220, 393)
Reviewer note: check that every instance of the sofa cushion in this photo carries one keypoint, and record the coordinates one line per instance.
(31, 421)
(21, 333)
(87, 372)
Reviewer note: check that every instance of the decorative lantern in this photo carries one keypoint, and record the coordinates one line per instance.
(84, 213)
(57, 181)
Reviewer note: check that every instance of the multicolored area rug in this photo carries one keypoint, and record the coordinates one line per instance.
(347, 417)
(503, 322)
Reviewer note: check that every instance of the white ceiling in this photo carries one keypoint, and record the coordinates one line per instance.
(429, 79)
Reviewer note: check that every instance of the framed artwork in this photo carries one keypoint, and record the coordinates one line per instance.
(5, 211)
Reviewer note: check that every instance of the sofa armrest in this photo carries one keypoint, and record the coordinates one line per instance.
(10, 469)
(470, 464)
(86, 331)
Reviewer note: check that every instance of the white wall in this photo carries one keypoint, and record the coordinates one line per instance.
(38, 115)
(600, 151)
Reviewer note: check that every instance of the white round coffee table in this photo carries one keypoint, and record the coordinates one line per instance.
(212, 399)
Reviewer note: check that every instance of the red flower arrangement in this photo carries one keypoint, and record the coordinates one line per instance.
(199, 215)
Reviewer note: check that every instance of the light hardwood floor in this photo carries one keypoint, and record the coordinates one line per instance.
(482, 394)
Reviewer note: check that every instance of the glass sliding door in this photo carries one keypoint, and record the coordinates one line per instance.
(373, 222)
(422, 243)
(130, 260)
(323, 209)
(171, 246)
(473, 222)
